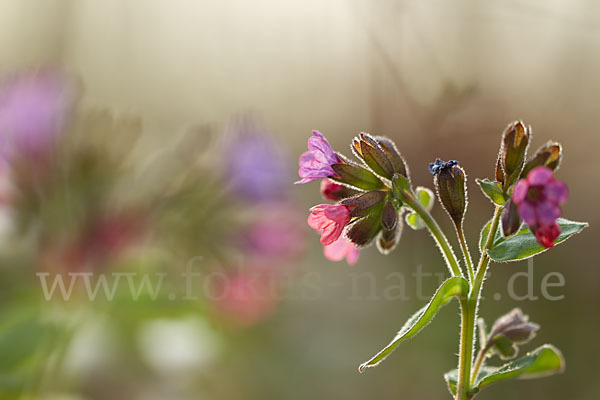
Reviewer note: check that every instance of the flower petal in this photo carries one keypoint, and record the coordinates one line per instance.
(321, 149)
(329, 220)
(520, 191)
(547, 213)
(340, 249)
(547, 234)
(527, 213)
(540, 176)
(556, 192)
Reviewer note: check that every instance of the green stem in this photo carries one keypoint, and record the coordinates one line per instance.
(470, 309)
(437, 233)
(462, 385)
(465, 251)
(478, 364)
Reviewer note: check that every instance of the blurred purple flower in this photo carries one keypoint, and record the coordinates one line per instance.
(33, 111)
(257, 166)
(316, 162)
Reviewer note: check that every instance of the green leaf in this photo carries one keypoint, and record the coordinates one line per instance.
(544, 361)
(523, 245)
(453, 287)
(492, 190)
(426, 198)
(415, 221)
(357, 177)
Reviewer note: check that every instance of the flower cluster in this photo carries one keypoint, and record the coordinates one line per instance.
(533, 194)
(366, 209)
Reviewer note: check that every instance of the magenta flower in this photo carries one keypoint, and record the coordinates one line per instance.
(331, 190)
(538, 198)
(33, 111)
(340, 249)
(329, 220)
(316, 162)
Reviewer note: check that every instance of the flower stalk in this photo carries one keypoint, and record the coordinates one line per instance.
(408, 197)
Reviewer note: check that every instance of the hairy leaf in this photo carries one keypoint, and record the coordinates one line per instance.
(544, 361)
(453, 287)
(523, 245)
(492, 190)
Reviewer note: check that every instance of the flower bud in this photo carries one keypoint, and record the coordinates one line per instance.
(450, 184)
(499, 171)
(511, 221)
(356, 176)
(393, 155)
(509, 331)
(388, 239)
(515, 140)
(363, 231)
(362, 204)
(367, 149)
(335, 192)
(548, 155)
(389, 216)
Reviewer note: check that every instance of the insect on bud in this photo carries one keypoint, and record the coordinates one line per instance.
(515, 140)
(450, 183)
(548, 155)
(511, 221)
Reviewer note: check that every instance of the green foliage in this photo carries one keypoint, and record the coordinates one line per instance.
(544, 361)
(453, 287)
(426, 198)
(523, 244)
(492, 190)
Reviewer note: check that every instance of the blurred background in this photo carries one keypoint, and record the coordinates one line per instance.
(166, 140)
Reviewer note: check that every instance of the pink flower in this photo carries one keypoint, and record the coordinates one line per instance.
(340, 249)
(316, 162)
(538, 198)
(329, 220)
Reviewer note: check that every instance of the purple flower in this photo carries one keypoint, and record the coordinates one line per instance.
(316, 162)
(33, 111)
(538, 198)
(257, 166)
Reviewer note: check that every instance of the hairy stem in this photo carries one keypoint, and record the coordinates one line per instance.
(470, 308)
(462, 385)
(478, 363)
(437, 233)
(465, 251)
